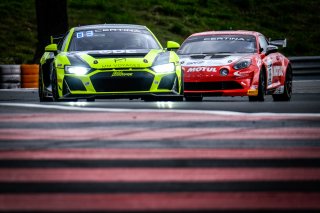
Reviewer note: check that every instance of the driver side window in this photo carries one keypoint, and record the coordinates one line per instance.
(62, 44)
(263, 43)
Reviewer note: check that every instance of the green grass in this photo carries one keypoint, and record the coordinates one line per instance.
(297, 20)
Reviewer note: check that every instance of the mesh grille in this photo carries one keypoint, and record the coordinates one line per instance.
(138, 81)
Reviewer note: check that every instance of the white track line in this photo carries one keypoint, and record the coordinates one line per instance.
(80, 107)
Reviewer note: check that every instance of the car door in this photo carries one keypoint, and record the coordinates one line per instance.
(272, 63)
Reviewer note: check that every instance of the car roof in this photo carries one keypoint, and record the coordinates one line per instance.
(100, 26)
(227, 32)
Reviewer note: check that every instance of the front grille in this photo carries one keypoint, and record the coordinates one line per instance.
(138, 81)
(225, 85)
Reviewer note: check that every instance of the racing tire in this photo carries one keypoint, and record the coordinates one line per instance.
(194, 98)
(13, 78)
(10, 69)
(10, 85)
(91, 100)
(42, 97)
(10, 76)
(29, 85)
(54, 83)
(261, 89)
(29, 75)
(29, 69)
(287, 93)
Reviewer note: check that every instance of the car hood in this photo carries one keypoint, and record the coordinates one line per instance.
(210, 59)
(105, 59)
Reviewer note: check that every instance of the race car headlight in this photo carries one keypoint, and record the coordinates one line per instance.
(164, 68)
(242, 64)
(76, 70)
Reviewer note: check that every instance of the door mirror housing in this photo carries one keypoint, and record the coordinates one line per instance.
(271, 49)
(51, 48)
(172, 45)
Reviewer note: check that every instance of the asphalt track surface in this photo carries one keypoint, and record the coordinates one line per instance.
(221, 155)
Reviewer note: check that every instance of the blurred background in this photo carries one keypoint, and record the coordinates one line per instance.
(26, 25)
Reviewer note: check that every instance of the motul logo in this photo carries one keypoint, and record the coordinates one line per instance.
(202, 69)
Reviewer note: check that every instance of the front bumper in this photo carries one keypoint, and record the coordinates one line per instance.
(220, 88)
(138, 83)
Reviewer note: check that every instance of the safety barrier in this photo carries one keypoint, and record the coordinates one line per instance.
(19, 76)
(26, 75)
(305, 65)
(29, 75)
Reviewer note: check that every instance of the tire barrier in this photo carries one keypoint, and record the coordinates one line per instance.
(29, 75)
(10, 76)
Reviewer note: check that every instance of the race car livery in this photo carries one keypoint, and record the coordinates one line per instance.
(234, 63)
(109, 61)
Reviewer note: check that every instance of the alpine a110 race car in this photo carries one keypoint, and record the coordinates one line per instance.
(234, 63)
(110, 61)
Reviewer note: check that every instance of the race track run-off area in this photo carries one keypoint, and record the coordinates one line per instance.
(159, 161)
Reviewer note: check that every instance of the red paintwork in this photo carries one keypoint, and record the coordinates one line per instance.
(251, 80)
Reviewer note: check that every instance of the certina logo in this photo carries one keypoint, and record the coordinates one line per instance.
(121, 74)
(202, 69)
(224, 39)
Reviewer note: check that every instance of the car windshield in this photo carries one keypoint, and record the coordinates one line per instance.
(112, 39)
(215, 44)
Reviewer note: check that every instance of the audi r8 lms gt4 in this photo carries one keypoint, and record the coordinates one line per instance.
(110, 60)
(234, 63)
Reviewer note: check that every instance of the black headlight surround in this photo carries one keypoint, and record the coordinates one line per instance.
(242, 64)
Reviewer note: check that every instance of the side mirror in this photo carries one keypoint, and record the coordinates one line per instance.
(271, 49)
(172, 45)
(51, 48)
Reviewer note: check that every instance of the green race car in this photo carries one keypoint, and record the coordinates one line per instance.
(110, 61)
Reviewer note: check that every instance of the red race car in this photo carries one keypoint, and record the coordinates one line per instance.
(234, 63)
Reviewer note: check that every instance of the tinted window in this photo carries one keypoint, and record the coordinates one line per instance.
(62, 42)
(263, 43)
(112, 39)
(219, 44)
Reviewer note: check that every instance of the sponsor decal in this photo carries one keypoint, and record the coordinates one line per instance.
(224, 39)
(119, 60)
(201, 69)
(116, 51)
(269, 70)
(210, 62)
(194, 62)
(121, 74)
(277, 71)
(97, 32)
(84, 34)
(121, 30)
(119, 65)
